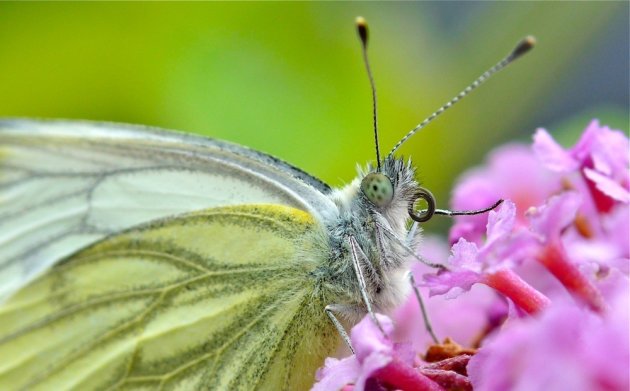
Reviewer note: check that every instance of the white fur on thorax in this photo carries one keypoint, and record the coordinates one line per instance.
(394, 286)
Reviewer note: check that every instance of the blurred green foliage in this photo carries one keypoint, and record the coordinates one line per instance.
(287, 78)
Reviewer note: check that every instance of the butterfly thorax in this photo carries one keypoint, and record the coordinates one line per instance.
(379, 234)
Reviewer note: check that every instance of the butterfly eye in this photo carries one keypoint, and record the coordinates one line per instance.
(378, 188)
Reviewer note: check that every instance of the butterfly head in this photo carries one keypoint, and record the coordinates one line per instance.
(390, 191)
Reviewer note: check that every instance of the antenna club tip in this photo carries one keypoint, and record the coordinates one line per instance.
(531, 40)
(362, 29)
(524, 46)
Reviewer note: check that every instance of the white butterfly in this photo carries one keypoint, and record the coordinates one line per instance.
(144, 258)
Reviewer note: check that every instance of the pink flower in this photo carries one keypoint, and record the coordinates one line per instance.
(377, 361)
(549, 221)
(598, 168)
(583, 236)
(565, 348)
(513, 172)
(563, 234)
(482, 307)
(490, 264)
(600, 156)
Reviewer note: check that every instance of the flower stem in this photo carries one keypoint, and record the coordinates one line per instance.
(554, 258)
(516, 289)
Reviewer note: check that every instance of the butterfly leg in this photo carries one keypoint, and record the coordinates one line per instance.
(423, 309)
(380, 242)
(356, 252)
(338, 308)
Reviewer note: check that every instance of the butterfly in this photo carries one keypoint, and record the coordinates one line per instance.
(138, 258)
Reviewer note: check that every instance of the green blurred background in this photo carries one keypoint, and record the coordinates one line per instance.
(287, 78)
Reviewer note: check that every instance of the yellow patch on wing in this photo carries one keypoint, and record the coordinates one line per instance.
(217, 299)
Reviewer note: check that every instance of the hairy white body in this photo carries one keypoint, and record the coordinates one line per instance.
(380, 234)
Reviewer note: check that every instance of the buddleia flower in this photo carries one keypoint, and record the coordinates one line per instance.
(535, 291)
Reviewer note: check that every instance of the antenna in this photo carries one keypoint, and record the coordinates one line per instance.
(362, 29)
(523, 47)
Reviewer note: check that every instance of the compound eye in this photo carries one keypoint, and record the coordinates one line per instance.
(378, 188)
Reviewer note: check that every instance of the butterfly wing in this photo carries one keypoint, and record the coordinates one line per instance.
(65, 184)
(223, 298)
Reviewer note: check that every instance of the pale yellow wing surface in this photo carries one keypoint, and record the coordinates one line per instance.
(226, 298)
(66, 184)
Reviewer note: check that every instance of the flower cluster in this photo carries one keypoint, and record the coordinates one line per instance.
(536, 290)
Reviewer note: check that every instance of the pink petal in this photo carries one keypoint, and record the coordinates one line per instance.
(367, 338)
(608, 186)
(370, 366)
(552, 154)
(448, 379)
(399, 376)
(464, 256)
(501, 221)
(452, 283)
(336, 373)
(559, 211)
